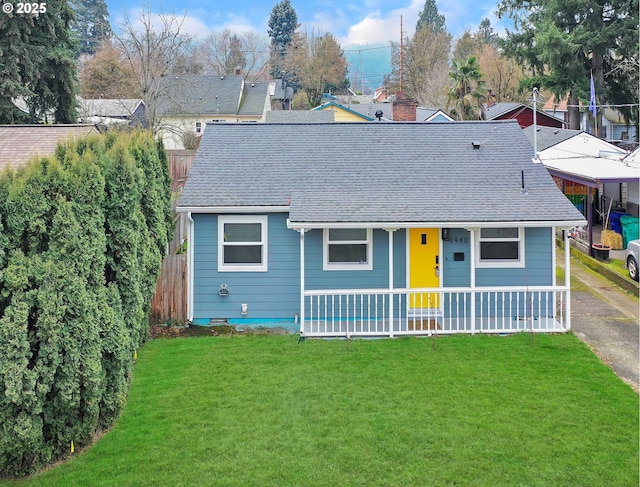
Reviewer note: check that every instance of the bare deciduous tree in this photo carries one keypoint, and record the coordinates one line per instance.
(501, 74)
(425, 67)
(104, 75)
(223, 52)
(154, 46)
(317, 62)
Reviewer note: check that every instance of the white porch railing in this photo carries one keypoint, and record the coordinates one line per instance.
(427, 311)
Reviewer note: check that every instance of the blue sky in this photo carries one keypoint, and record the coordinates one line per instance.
(360, 22)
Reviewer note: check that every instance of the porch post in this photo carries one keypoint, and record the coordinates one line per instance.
(472, 280)
(589, 209)
(390, 232)
(567, 280)
(301, 281)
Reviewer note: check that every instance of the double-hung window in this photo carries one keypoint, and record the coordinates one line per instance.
(500, 247)
(347, 249)
(242, 243)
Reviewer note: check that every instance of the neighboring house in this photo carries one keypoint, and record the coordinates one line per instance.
(594, 174)
(342, 113)
(400, 110)
(112, 111)
(382, 111)
(614, 128)
(281, 95)
(522, 113)
(380, 95)
(187, 103)
(20, 143)
(379, 229)
(432, 115)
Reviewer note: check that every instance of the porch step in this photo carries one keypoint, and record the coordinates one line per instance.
(425, 313)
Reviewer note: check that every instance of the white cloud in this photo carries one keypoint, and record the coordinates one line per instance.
(236, 24)
(383, 27)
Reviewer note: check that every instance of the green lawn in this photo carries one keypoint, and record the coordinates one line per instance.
(462, 410)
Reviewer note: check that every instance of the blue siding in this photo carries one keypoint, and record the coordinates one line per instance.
(269, 295)
(456, 273)
(538, 270)
(378, 277)
(275, 294)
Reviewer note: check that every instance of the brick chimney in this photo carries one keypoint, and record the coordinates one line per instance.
(404, 109)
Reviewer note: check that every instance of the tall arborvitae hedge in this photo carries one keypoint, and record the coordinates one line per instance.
(82, 235)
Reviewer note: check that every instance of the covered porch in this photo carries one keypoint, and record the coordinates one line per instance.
(426, 311)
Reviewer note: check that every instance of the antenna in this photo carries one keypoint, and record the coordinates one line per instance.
(401, 49)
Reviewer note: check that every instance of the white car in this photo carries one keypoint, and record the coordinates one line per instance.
(631, 257)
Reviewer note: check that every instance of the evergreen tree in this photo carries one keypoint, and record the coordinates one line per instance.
(91, 26)
(564, 43)
(486, 34)
(431, 18)
(282, 25)
(37, 65)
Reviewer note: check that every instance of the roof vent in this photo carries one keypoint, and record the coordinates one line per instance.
(476, 144)
(221, 77)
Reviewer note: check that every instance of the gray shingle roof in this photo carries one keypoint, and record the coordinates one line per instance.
(498, 109)
(370, 109)
(395, 172)
(548, 136)
(188, 95)
(299, 116)
(102, 107)
(254, 99)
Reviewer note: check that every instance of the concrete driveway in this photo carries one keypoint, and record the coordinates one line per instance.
(606, 318)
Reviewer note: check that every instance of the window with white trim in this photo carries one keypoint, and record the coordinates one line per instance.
(347, 249)
(500, 247)
(242, 243)
(198, 127)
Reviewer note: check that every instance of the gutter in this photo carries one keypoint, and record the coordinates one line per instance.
(567, 224)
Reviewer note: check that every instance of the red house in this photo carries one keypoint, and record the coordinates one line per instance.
(523, 114)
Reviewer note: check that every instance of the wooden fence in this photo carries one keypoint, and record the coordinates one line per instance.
(179, 165)
(169, 304)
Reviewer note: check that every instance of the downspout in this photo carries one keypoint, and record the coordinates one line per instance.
(567, 279)
(190, 253)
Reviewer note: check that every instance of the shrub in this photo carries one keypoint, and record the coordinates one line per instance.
(81, 241)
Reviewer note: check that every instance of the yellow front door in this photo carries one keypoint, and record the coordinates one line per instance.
(424, 266)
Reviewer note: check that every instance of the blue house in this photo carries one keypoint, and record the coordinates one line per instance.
(352, 229)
